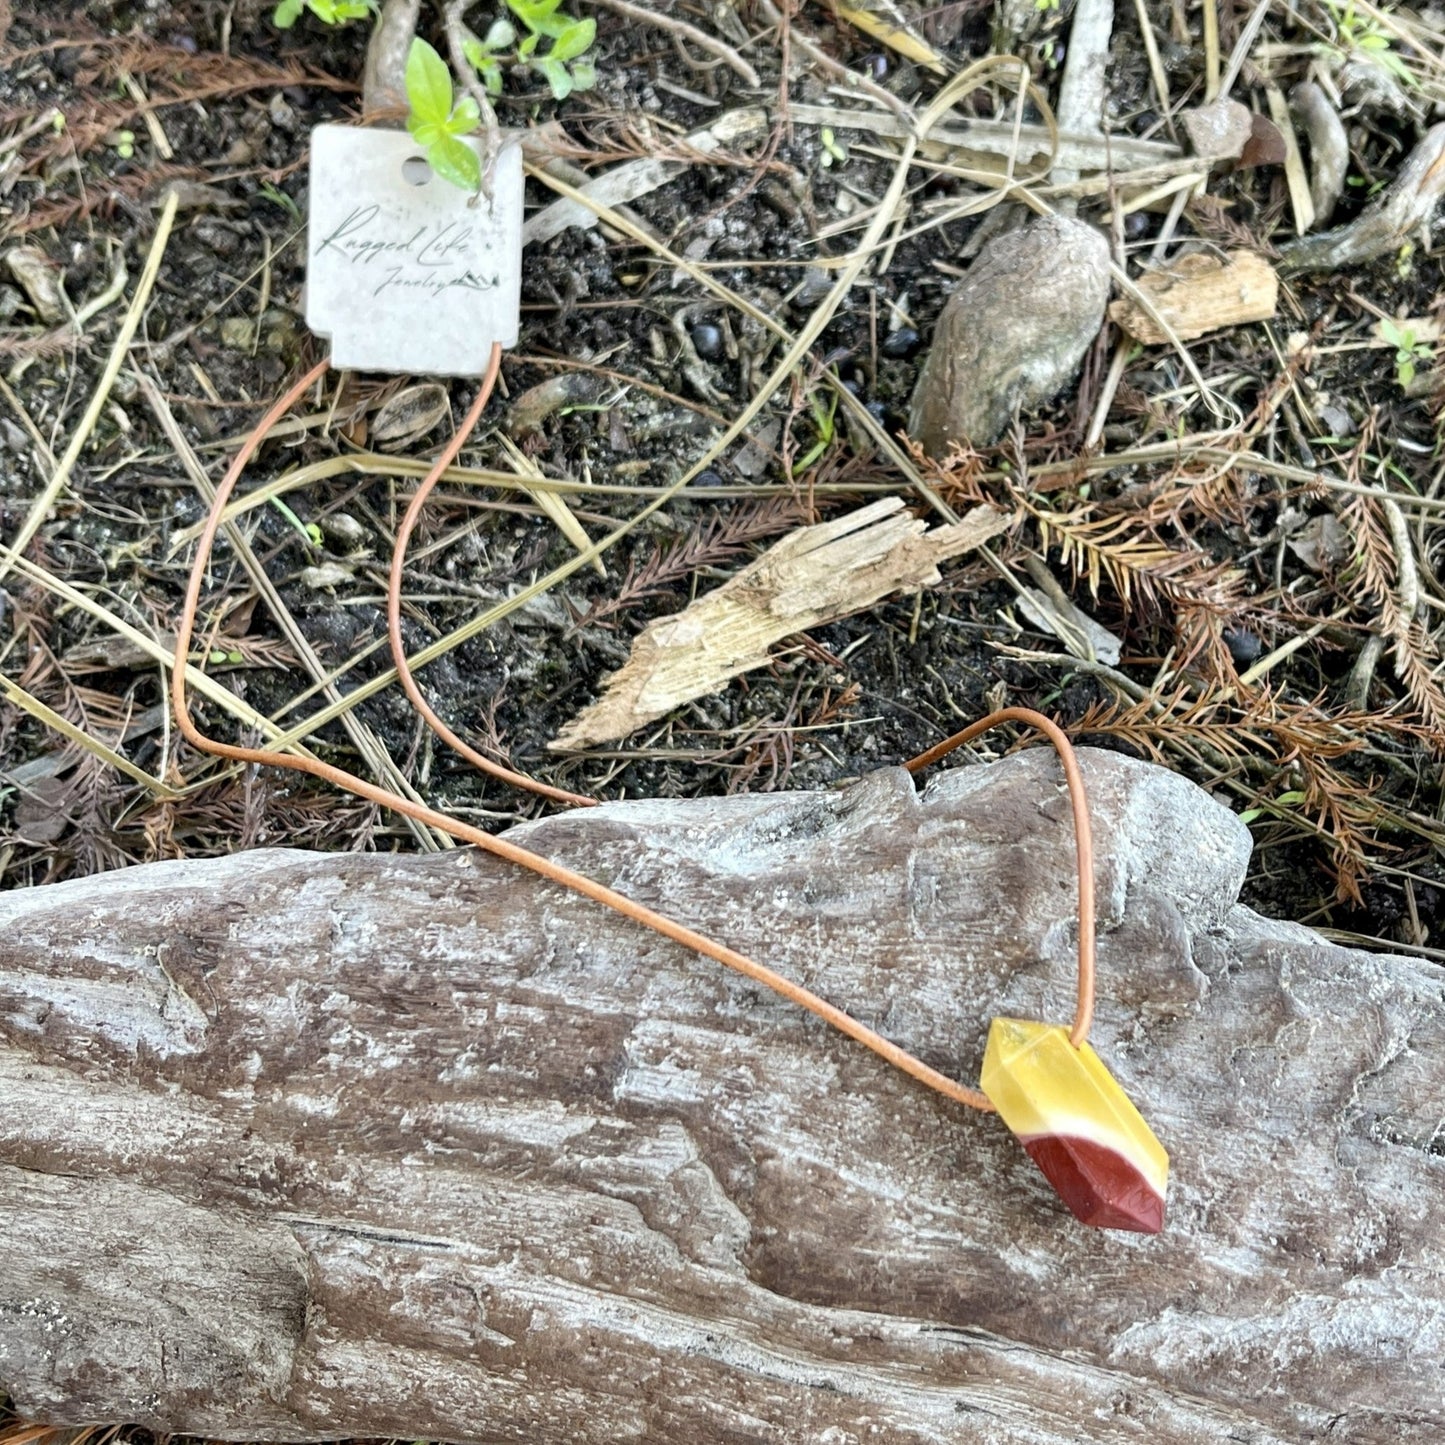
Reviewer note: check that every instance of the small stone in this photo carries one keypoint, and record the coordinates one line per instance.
(707, 340)
(875, 66)
(280, 113)
(326, 576)
(1220, 130)
(900, 343)
(238, 333)
(815, 284)
(1077, 1125)
(1013, 334)
(1244, 647)
(343, 528)
(39, 278)
(708, 478)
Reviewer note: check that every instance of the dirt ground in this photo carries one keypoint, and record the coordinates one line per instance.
(1202, 562)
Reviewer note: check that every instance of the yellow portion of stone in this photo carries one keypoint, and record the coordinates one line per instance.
(1042, 1085)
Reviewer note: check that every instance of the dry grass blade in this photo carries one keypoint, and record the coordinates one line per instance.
(367, 743)
(126, 335)
(14, 693)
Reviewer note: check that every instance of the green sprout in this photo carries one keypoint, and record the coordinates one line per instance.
(124, 142)
(1408, 349)
(834, 153)
(278, 197)
(562, 66)
(436, 123)
(1367, 37)
(329, 12)
(823, 422)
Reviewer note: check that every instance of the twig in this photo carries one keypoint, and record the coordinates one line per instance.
(467, 75)
(16, 694)
(1085, 82)
(688, 33)
(1243, 46)
(1404, 209)
(384, 79)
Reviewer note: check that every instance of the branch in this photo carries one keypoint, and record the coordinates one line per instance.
(466, 76)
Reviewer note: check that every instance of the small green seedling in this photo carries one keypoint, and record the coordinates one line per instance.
(435, 123)
(1408, 349)
(834, 152)
(278, 197)
(124, 142)
(487, 53)
(1367, 37)
(562, 66)
(823, 421)
(329, 12)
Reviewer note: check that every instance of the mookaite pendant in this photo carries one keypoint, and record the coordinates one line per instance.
(1077, 1125)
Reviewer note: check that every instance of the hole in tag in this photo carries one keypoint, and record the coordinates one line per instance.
(415, 171)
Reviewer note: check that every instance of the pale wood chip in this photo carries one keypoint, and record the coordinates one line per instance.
(1197, 294)
(812, 576)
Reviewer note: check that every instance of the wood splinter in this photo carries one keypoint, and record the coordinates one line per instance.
(1197, 294)
(812, 576)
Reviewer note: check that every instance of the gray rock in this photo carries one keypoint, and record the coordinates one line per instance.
(1014, 332)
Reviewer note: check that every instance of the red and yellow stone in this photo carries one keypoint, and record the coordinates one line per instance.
(1077, 1125)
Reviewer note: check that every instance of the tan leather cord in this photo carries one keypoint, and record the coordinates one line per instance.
(393, 607)
(580, 883)
(1083, 837)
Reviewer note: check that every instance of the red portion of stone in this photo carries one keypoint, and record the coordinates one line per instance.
(1101, 1186)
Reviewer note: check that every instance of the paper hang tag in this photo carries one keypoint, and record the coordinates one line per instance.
(406, 272)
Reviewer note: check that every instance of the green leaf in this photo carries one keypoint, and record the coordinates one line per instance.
(528, 45)
(455, 161)
(554, 26)
(492, 79)
(532, 12)
(584, 75)
(428, 85)
(1406, 371)
(574, 41)
(556, 76)
(465, 118)
(1392, 332)
(472, 49)
(425, 132)
(288, 12)
(501, 36)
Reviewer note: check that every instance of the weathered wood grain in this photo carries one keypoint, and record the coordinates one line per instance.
(303, 1146)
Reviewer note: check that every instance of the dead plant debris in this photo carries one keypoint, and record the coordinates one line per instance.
(1173, 496)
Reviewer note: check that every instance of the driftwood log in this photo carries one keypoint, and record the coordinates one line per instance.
(305, 1146)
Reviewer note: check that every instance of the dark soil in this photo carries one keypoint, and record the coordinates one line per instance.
(224, 333)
